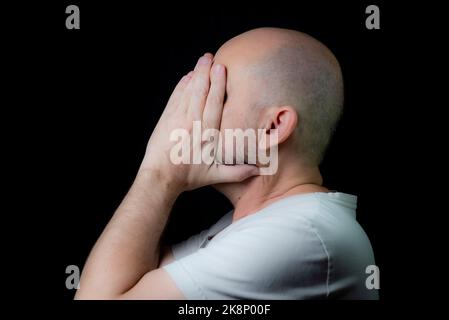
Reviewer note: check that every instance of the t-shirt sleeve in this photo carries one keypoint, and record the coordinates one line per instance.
(193, 243)
(189, 246)
(260, 262)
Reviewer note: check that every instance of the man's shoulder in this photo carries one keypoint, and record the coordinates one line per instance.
(299, 225)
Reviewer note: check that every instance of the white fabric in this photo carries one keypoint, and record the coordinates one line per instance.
(306, 246)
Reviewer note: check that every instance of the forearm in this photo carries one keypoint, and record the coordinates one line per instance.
(129, 246)
(123, 263)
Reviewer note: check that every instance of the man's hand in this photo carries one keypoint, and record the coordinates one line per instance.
(197, 97)
(124, 262)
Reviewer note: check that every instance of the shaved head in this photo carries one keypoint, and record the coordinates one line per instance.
(273, 67)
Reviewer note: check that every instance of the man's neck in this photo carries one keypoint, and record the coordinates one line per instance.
(257, 192)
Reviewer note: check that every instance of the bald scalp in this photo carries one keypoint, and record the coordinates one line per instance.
(299, 71)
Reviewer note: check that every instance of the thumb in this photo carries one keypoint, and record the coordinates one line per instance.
(234, 173)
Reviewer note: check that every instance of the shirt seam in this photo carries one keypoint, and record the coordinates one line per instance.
(323, 245)
(328, 262)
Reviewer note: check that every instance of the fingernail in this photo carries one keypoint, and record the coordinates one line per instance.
(204, 60)
(207, 54)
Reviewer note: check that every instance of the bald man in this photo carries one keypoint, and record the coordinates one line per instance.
(288, 236)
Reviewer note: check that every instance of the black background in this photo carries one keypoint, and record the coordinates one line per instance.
(90, 99)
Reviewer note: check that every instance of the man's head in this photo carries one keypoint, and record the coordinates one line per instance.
(283, 79)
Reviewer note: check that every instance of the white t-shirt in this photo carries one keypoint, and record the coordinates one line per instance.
(307, 246)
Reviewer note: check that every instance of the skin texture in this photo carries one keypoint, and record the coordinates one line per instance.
(126, 261)
(248, 58)
(271, 68)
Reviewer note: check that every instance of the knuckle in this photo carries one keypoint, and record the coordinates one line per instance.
(207, 123)
(215, 99)
(202, 89)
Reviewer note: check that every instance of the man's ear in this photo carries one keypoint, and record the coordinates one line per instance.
(284, 119)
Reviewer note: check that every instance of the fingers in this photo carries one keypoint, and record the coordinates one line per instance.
(194, 92)
(199, 85)
(214, 103)
(234, 173)
(179, 90)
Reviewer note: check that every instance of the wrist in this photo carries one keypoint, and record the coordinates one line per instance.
(158, 178)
